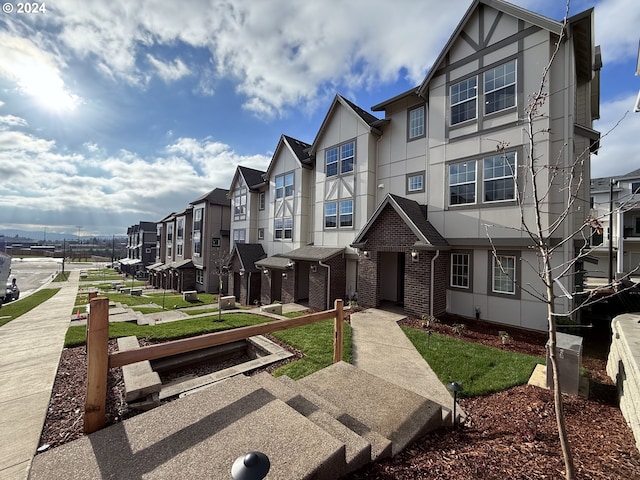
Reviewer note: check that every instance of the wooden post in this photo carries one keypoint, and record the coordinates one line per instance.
(337, 331)
(92, 295)
(97, 365)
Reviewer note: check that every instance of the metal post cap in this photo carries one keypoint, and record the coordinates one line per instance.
(251, 466)
(454, 387)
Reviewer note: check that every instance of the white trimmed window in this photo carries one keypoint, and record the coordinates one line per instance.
(415, 182)
(284, 185)
(199, 276)
(500, 88)
(462, 183)
(240, 205)
(261, 201)
(261, 234)
(503, 274)
(346, 213)
(340, 159)
(330, 215)
(460, 270)
(463, 96)
(499, 177)
(283, 228)
(239, 235)
(416, 122)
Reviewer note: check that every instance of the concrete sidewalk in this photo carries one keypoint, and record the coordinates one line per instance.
(382, 349)
(30, 348)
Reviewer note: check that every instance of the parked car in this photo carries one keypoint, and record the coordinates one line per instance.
(12, 292)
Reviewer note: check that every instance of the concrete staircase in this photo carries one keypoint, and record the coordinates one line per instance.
(321, 427)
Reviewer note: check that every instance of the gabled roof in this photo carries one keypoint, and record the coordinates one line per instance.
(508, 8)
(298, 148)
(366, 118)
(249, 254)
(252, 177)
(217, 196)
(413, 215)
(168, 218)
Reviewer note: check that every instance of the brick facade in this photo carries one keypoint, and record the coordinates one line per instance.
(390, 233)
(318, 283)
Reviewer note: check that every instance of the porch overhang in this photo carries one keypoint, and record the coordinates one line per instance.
(276, 262)
(311, 253)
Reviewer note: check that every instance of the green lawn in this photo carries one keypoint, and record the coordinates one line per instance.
(170, 330)
(316, 341)
(479, 369)
(12, 310)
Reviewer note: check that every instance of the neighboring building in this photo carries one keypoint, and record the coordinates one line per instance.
(210, 239)
(141, 248)
(406, 209)
(623, 193)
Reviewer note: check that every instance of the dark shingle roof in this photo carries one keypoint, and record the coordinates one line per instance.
(413, 214)
(416, 214)
(252, 176)
(300, 148)
(249, 254)
(217, 196)
(366, 116)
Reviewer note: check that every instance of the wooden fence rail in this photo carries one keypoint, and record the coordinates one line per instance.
(99, 360)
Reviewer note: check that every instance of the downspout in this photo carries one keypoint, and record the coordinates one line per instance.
(433, 262)
(249, 288)
(328, 267)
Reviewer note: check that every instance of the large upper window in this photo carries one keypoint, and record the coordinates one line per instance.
(197, 219)
(284, 185)
(416, 122)
(503, 274)
(338, 214)
(500, 87)
(463, 100)
(340, 159)
(180, 233)
(240, 205)
(462, 183)
(460, 270)
(499, 177)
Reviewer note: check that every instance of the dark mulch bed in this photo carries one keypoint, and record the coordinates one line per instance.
(511, 434)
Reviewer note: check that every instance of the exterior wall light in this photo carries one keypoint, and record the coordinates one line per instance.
(313, 268)
(266, 271)
(284, 274)
(241, 272)
(366, 254)
(415, 256)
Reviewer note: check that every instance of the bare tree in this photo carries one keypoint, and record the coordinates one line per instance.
(540, 179)
(221, 259)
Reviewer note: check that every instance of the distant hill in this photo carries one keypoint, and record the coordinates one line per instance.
(17, 236)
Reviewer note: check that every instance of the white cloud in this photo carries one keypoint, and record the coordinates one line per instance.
(619, 126)
(171, 71)
(12, 121)
(44, 178)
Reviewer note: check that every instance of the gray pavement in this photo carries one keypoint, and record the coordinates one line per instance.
(30, 348)
(382, 349)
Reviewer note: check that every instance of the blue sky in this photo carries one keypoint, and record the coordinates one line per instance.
(114, 112)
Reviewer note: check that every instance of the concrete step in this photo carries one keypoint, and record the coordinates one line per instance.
(380, 445)
(395, 413)
(358, 450)
(200, 436)
(139, 378)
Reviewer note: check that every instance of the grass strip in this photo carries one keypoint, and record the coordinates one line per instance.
(316, 341)
(480, 370)
(170, 330)
(12, 310)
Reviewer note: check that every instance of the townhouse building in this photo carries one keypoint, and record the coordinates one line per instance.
(141, 248)
(615, 201)
(210, 239)
(418, 206)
